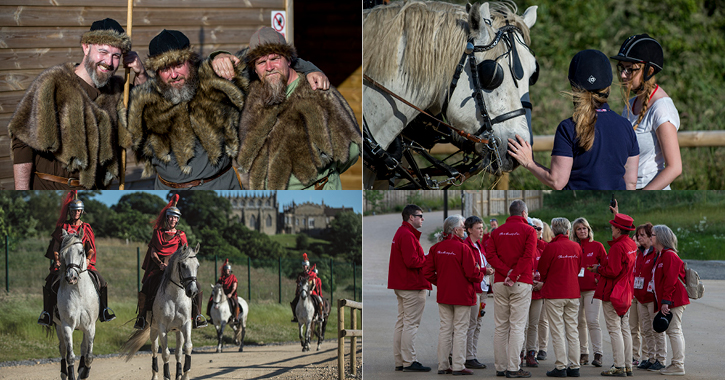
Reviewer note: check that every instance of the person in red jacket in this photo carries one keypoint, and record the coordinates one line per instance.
(406, 279)
(615, 289)
(670, 293)
(229, 285)
(510, 251)
(593, 253)
(559, 267)
(537, 301)
(487, 235)
(452, 268)
(474, 228)
(655, 350)
(72, 209)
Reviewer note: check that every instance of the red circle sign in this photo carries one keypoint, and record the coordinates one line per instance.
(278, 22)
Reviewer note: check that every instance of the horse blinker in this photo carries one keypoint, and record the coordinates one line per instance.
(490, 74)
(534, 76)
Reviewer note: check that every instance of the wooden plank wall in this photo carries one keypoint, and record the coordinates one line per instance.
(37, 34)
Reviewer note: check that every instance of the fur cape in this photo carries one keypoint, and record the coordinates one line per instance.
(56, 115)
(160, 128)
(306, 133)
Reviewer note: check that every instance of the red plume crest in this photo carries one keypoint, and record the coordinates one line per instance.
(73, 194)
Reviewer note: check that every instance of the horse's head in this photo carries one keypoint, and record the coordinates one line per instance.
(217, 294)
(187, 267)
(72, 256)
(505, 68)
(304, 285)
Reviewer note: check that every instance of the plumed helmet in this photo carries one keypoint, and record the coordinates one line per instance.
(641, 48)
(173, 210)
(228, 267)
(76, 204)
(315, 270)
(305, 262)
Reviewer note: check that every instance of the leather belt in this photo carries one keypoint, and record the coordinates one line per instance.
(72, 182)
(195, 182)
(319, 185)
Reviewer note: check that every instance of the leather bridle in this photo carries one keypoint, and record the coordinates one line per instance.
(184, 280)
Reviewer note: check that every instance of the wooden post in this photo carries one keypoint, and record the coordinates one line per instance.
(353, 343)
(126, 89)
(290, 9)
(340, 340)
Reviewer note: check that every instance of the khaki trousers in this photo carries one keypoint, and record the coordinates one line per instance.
(543, 330)
(474, 328)
(454, 324)
(532, 325)
(656, 346)
(563, 316)
(619, 334)
(639, 343)
(677, 339)
(589, 327)
(410, 311)
(511, 309)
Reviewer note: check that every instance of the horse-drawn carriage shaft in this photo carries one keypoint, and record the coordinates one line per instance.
(472, 65)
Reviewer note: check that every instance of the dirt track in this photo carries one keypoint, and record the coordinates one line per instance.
(256, 362)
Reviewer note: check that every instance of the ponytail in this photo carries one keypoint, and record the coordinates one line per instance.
(585, 113)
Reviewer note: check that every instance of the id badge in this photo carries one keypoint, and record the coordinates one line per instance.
(651, 286)
(639, 282)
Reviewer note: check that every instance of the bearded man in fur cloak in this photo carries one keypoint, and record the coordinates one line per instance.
(67, 129)
(292, 137)
(184, 120)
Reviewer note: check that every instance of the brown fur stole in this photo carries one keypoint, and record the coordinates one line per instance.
(160, 128)
(56, 115)
(304, 134)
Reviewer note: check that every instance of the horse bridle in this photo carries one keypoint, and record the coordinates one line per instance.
(73, 266)
(184, 280)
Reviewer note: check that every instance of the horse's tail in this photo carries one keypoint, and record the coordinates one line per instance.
(135, 342)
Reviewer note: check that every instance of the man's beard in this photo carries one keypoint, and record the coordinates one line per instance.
(183, 94)
(274, 91)
(99, 79)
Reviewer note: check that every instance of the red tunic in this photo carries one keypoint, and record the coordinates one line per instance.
(406, 260)
(618, 266)
(643, 269)
(669, 269)
(451, 267)
(165, 245)
(228, 283)
(559, 267)
(592, 253)
(318, 287)
(89, 241)
(512, 246)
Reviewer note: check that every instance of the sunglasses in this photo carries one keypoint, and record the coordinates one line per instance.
(417, 215)
(627, 70)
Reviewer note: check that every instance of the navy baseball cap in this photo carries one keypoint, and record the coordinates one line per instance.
(590, 69)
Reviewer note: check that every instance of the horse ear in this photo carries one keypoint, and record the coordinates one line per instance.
(530, 16)
(80, 233)
(198, 245)
(476, 15)
(212, 286)
(64, 233)
(468, 7)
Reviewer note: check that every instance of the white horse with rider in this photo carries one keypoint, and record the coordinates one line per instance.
(305, 312)
(222, 316)
(171, 312)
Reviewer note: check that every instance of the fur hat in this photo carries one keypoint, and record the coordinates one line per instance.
(107, 32)
(168, 48)
(267, 41)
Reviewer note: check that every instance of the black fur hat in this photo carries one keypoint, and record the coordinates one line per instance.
(107, 32)
(167, 48)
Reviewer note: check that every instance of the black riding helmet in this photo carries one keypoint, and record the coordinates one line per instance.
(590, 70)
(641, 48)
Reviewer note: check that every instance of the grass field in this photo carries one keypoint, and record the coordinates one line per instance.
(289, 240)
(23, 338)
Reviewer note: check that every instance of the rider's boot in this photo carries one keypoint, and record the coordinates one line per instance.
(208, 311)
(141, 319)
(199, 321)
(236, 314)
(46, 318)
(106, 313)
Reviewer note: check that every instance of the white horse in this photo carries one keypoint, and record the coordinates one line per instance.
(171, 312)
(305, 311)
(220, 314)
(413, 48)
(78, 306)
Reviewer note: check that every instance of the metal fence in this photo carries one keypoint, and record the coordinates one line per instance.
(270, 280)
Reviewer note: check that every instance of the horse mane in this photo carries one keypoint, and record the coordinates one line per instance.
(427, 67)
(181, 254)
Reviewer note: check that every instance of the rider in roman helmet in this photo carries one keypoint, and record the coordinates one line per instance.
(165, 241)
(316, 291)
(300, 277)
(70, 220)
(229, 284)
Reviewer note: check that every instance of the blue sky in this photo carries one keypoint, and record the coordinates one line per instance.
(333, 198)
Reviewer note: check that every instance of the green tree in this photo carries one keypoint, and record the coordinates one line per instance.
(303, 241)
(15, 219)
(203, 209)
(144, 202)
(44, 206)
(345, 236)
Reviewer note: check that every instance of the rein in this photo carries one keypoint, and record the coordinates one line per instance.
(183, 280)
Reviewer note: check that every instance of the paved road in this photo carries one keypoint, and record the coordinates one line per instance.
(703, 323)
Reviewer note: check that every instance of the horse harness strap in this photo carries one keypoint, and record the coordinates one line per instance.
(184, 280)
(74, 265)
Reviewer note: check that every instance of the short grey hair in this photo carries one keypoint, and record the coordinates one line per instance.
(560, 226)
(665, 236)
(518, 207)
(580, 222)
(450, 224)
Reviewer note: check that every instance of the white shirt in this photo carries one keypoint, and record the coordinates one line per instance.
(484, 283)
(651, 160)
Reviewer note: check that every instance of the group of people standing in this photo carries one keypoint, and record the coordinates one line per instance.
(597, 149)
(557, 275)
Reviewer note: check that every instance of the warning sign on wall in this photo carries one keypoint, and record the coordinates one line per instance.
(279, 22)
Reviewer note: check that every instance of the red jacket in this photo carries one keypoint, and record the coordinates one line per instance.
(559, 268)
(512, 246)
(450, 265)
(592, 253)
(406, 260)
(165, 245)
(540, 246)
(643, 268)
(228, 283)
(669, 269)
(618, 266)
(477, 257)
(89, 242)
